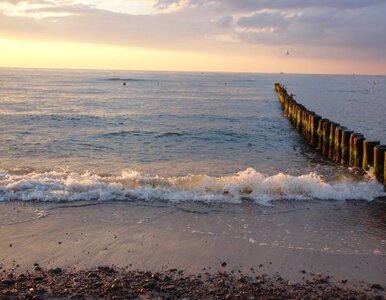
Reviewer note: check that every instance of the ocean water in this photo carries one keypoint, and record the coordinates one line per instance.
(71, 135)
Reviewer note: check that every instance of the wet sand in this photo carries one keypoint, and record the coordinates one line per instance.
(296, 240)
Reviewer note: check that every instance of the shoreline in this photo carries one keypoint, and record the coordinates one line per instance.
(343, 241)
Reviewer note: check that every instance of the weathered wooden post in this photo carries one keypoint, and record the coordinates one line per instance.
(331, 146)
(305, 124)
(379, 162)
(384, 170)
(290, 101)
(358, 151)
(351, 157)
(326, 137)
(299, 118)
(293, 112)
(286, 105)
(337, 144)
(345, 145)
(368, 154)
(320, 134)
(303, 121)
(315, 119)
(310, 116)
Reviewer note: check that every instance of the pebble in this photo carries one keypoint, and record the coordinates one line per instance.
(106, 282)
(377, 286)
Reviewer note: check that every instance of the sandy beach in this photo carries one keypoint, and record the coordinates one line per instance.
(296, 240)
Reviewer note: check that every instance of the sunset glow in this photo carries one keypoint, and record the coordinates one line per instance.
(243, 36)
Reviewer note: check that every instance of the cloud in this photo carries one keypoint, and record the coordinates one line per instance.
(320, 27)
(166, 4)
(253, 5)
(362, 28)
(224, 21)
(265, 19)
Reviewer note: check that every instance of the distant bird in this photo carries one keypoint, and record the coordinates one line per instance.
(124, 83)
(287, 53)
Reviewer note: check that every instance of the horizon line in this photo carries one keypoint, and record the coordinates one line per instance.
(188, 71)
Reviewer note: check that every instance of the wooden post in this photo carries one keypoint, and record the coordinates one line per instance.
(315, 119)
(310, 115)
(303, 119)
(293, 112)
(299, 118)
(288, 106)
(337, 144)
(320, 134)
(379, 162)
(285, 104)
(326, 137)
(305, 124)
(351, 157)
(368, 154)
(345, 146)
(331, 146)
(384, 170)
(358, 151)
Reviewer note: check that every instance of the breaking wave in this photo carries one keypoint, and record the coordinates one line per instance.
(131, 185)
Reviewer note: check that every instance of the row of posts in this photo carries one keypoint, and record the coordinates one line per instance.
(334, 141)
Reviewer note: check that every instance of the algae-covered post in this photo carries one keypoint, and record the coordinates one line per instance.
(358, 151)
(331, 146)
(310, 116)
(315, 119)
(384, 169)
(368, 154)
(345, 145)
(353, 136)
(299, 117)
(319, 146)
(337, 144)
(326, 137)
(379, 162)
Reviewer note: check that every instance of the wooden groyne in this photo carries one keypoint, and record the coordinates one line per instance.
(337, 143)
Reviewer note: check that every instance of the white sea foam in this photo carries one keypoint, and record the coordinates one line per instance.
(131, 186)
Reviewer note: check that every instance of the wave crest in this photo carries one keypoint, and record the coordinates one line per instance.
(131, 185)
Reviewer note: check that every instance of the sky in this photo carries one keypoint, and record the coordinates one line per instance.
(290, 36)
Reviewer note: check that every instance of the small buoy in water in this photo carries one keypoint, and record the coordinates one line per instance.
(124, 83)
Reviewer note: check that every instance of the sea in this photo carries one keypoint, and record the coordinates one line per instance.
(103, 135)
